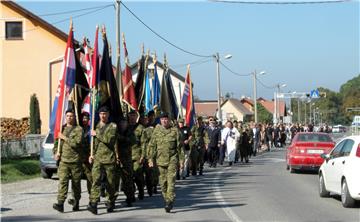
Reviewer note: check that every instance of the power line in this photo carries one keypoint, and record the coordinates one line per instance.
(167, 41)
(197, 62)
(67, 19)
(77, 16)
(280, 2)
(235, 73)
(266, 86)
(68, 12)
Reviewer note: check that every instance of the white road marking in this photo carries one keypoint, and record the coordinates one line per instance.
(220, 199)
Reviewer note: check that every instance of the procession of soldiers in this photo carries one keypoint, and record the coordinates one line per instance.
(142, 152)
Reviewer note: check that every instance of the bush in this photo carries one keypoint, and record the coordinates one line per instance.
(35, 122)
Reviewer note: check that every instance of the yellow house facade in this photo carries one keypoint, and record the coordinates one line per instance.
(31, 53)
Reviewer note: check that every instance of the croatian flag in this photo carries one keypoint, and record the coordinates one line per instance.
(187, 100)
(66, 85)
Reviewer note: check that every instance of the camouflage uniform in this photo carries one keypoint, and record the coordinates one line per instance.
(104, 161)
(197, 144)
(165, 148)
(125, 168)
(70, 163)
(151, 173)
(138, 152)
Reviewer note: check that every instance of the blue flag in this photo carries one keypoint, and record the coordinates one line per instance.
(148, 103)
(156, 89)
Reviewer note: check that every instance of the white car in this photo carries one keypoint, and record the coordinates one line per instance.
(340, 172)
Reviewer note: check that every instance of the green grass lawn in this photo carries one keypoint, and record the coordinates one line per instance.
(19, 169)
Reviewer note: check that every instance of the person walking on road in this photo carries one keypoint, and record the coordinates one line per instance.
(229, 138)
(166, 150)
(104, 159)
(70, 157)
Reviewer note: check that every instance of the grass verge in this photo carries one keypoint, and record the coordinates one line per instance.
(19, 169)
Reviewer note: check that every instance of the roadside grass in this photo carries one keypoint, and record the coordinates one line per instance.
(19, 169)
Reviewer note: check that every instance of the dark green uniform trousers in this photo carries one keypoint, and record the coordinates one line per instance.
(66, 172)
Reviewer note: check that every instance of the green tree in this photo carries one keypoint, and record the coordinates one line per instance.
(35, 122)
(264, 116)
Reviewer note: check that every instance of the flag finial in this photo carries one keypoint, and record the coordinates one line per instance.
(110, 50)
(142, 49)
(155, 58)
(165, 60)
(103, 31)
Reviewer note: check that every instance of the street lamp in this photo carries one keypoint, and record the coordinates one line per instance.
(277, 104)
(255, 91)
(217, 58)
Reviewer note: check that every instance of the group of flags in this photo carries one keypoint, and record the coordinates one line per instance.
(86, 90)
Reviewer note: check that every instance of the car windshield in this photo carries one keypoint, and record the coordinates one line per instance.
(50, 138)
(314, 138)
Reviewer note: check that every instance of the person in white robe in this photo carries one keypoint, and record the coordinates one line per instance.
(229, 137)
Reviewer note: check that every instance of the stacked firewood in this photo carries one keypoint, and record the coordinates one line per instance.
(14, 128)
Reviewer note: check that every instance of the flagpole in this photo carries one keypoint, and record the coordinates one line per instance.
(92, 91)
(180, 107)
(75, 104)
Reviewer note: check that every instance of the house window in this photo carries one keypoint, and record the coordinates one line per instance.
(14, 30)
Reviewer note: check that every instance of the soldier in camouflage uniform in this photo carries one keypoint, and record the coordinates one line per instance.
(166, 149)
(70, 162)
(138, 152)
(85, 153)
(147, 170)
(104, 159)
(199, 136)
(125, 165)
(152, 171)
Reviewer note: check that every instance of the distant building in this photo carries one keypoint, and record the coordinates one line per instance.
(233, 109)
(269, 105)
(206, 108)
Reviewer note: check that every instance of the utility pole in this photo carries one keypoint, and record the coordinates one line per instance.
(118, 66)
(255, 105)
(218, 85)
(299, 114)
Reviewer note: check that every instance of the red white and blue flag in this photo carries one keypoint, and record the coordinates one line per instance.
(66, 85)
(188, 101)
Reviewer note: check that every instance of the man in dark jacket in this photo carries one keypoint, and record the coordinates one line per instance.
(212, 147)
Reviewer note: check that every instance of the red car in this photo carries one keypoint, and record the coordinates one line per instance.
(305, 150)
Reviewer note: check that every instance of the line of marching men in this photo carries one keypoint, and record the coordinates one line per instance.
(140, 154)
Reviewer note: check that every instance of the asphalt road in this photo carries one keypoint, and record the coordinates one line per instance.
(260, 191)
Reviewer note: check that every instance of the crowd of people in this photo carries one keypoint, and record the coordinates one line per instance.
(142, 152)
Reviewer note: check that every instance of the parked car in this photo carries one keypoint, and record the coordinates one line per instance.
(340, 172)
(305, 150)
(47, 163)
(339, 129)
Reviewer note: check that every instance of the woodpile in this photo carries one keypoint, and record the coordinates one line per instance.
(14, 128)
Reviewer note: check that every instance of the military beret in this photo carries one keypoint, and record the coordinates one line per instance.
(69, 111)
(151, 113)
(104, 109)
(164, 115)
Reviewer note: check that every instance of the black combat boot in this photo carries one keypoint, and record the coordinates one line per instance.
(59, 206)
(76, 205)
(141, 194)
(155, 190)
(168, 206)
(92, 207)
(150, 191)
(128, 202)
(110, 207)
(201, 172)
(71, 202)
